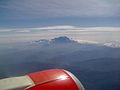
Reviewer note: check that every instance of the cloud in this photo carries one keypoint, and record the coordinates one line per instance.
(23, 31)
(73, 28)
(54, 27)
(86, 41)
(81, 34)
(14, 30)
(102, 29)
(6, 30)
(62, 29)
(113, 44)
(60, 8)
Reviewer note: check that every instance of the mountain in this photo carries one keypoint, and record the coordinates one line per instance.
(58, 40)
(96, 65)
(63, 39)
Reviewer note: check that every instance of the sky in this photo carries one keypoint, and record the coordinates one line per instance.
(93, 20)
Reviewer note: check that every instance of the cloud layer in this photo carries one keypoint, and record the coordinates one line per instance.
(63, 28)
(59, 8)
(94, 34)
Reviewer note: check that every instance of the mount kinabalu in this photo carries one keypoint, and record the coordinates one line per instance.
(66, 40)
(58, 40)
(88, 61)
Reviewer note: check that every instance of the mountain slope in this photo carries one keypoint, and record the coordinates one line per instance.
(96, 65)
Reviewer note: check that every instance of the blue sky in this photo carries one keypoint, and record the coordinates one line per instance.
(19, 17)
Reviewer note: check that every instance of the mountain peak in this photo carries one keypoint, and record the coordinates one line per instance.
(62, 39)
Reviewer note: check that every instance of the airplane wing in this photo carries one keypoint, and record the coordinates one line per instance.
(54, 79)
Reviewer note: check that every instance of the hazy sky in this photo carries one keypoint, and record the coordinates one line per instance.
(82, 19)
(32, 13)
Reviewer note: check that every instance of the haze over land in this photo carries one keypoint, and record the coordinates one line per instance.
(93, 63)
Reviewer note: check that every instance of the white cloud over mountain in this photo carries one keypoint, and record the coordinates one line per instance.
(113, 44)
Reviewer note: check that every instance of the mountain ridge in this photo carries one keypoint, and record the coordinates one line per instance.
(65, 39)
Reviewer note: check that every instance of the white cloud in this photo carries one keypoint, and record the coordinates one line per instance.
(54, 27)
(81, 34)
(102, 28)
(62, 29)
(86, 41)
(73, 28)
(6, 30)
(24, 31)
(115, 43)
